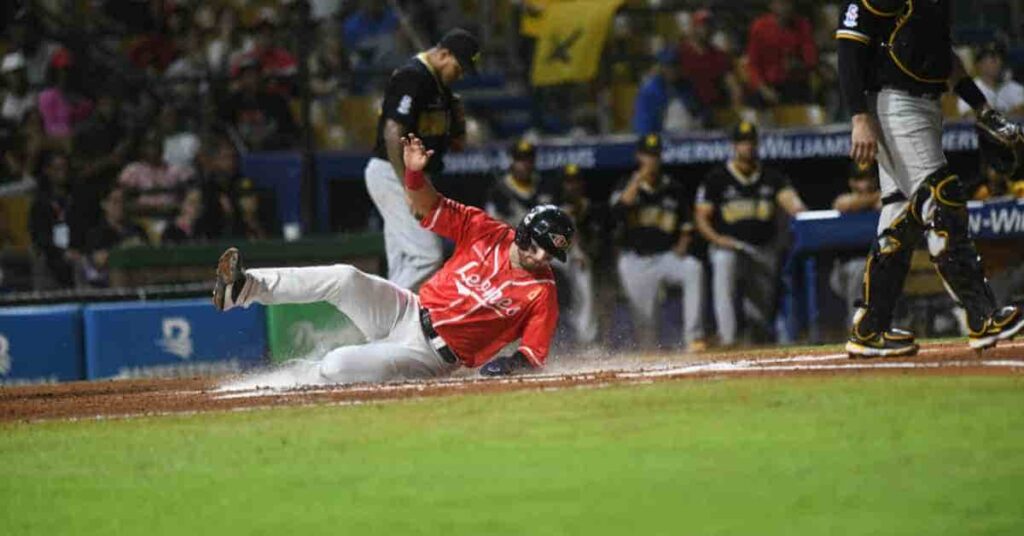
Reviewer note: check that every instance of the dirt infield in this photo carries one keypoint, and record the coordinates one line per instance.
(126, 398)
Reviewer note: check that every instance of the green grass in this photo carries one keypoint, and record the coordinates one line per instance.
(861, 455)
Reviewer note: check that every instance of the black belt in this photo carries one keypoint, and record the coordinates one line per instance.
(435, 340)
(895, 197)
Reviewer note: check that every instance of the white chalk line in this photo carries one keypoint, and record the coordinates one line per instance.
(784, 364)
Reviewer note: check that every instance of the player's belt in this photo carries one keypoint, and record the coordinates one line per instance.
(436, 341)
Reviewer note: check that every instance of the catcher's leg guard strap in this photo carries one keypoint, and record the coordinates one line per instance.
(886, 269)
(942, 203)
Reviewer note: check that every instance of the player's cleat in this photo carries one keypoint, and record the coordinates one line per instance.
(892, 343)
(1004, 324)
(696, 346)
(230, 280)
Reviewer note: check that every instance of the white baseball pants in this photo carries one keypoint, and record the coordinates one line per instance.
(641, 277)
(732, 270)
(413, 253)
(388, 315)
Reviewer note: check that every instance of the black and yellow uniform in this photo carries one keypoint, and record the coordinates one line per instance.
(745, 204)
(653, 223)
(417, 99)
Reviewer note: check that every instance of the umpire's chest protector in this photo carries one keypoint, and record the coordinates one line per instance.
(920, 43)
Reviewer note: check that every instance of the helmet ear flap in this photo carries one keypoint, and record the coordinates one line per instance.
(522, 236)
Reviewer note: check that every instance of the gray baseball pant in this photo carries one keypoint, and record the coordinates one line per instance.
(388, 315)
(413, 253)
(581, 306)
(732, 270)
(641, 277)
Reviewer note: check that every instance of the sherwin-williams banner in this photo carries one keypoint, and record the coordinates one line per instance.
(570, 41)
(41, 344)
(307, 330)
(172, 338)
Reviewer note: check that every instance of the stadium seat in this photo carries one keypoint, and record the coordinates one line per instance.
(359, 119)
(798, 115)
(14, 222)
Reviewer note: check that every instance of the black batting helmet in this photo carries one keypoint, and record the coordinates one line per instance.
(550, 227)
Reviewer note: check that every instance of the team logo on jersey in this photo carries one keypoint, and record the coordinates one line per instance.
(850, 21)
(559, 241)
(177, 337)
(405, 105)
(5, 355)
(483, 290)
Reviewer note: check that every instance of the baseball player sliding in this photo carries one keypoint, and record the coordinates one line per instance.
(895, 62)
(497, 287)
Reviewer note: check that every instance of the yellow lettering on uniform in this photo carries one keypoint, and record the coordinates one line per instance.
(433, 123)
(747, 209)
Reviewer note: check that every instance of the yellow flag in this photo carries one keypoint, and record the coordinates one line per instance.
(570, 40)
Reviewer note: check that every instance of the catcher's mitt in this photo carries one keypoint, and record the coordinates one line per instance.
(1001, 143)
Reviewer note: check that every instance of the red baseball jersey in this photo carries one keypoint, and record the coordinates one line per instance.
(477, 301)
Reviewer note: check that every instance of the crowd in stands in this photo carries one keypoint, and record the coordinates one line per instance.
(126, 122)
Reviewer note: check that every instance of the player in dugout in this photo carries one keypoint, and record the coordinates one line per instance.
(496, 288)
(736, 213)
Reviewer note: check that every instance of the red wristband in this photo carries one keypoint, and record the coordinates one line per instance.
(414, 180)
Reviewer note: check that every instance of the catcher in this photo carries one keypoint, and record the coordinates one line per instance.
(895, 62)
(497, 287)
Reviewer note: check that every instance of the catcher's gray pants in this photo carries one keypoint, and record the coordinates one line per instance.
(581, 306)
(732, 270)
(414, 253)
(388, 315)
(641, 277)
(909, 148)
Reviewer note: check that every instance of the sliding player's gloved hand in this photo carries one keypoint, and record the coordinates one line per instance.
(505, 365)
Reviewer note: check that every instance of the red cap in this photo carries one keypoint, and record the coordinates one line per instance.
(61, 59)
(701, 16)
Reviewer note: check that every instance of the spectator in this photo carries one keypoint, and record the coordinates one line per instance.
(707, 68)
(17, 99)
(50, 226)
(156, 49)
(736, 213)
(223, 50)
(781, 55)
(261, 118)
(61, 106)
(102, 144)
(187, 224)
(114, 231)
(153, 182)
(188, 75)
(27, 39)
(655, 249)
(657, 93)
(276, 64)
(219, 177)
(250, 220)
(847, 276)
(180, 144)
(370, 32)
(1003, 93)
(328, 67)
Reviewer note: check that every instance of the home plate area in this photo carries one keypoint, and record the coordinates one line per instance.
(296, 383)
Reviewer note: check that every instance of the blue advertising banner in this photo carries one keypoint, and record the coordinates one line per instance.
(41, 344)
(171, 338)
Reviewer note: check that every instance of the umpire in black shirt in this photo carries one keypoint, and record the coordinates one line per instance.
(418, 100)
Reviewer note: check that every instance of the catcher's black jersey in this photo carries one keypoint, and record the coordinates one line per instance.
(910, 42)
(652, 224)
(744, 206)
(416, 99)
(509, 201)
